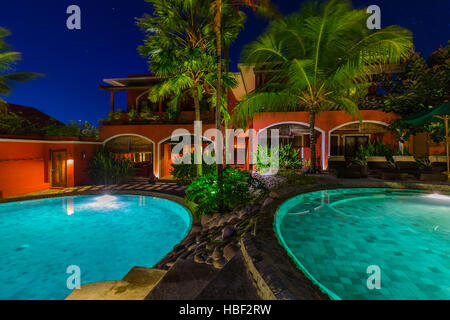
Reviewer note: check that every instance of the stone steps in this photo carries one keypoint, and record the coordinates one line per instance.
(135, 285)
(232, 282)
(188, 280)
(183, 281)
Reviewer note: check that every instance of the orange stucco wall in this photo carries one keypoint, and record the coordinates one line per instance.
(325, 123)
(155, 132)
(24, 165)
(21, 168)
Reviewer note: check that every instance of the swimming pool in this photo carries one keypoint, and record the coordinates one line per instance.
(345, 240)
(105, 236)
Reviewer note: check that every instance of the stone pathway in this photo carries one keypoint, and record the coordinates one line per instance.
(170, 188)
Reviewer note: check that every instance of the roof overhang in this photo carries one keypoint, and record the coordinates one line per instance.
(130, 83)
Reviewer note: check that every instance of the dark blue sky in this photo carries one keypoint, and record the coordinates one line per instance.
(75, 62)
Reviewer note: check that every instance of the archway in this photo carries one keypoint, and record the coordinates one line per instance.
(346, 138)
(298, 133)
(139, 149)
(165, 153)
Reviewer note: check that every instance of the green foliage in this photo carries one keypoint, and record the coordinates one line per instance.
(296, 178)
(288, 157)
(147, 114)
(132, 114)
(11, 123)
(57, 130)
(71, 130)
(115, 115)
(185, 173)
(320, 58)
(106, 167)
(377, 148)
(239, 187)
(423, 85)
(423, 164)
(88, 130)
(436, 131)
(8, 59)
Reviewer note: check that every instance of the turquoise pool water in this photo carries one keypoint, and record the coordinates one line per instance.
(335, 235)
(105, 236)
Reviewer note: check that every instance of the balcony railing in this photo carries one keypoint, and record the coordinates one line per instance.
(185, 117)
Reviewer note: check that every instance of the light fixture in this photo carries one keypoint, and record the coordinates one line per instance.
(70, 159)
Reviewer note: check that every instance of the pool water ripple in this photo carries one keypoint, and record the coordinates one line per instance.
(335, 235)
(104, 235)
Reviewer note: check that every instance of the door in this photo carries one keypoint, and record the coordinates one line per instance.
(353, 143)
(58, 168)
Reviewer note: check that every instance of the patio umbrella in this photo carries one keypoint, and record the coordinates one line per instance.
(443, 114)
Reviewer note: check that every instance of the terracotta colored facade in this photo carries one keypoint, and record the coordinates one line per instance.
(25, 164)
(157, 133)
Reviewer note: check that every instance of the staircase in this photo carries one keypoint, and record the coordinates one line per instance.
(188, 280)
(185, 280)
(134, 286)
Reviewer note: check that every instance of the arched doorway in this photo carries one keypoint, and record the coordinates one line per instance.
(298, 134)
(165, 147)
(346, 139)
(140, 150)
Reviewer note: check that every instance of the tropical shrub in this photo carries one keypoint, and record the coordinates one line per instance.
(288, 157)
(295, 178)
(184, 173)
(239, 188)
(377, 148)
(11, 123)
(71, 130)
(115, 115)
(106, 167)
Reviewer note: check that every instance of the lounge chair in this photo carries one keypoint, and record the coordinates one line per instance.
(406, 168)
(335, 163)
(438, 163)
(377, 165)
(438, 166)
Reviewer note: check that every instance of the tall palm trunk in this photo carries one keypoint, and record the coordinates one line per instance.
(226, 53)
(198, 138)
(217, 30)
(312, 140)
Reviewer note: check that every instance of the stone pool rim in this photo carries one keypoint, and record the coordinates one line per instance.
(273, 263)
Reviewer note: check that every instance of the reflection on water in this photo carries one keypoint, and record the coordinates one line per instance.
(104, 203)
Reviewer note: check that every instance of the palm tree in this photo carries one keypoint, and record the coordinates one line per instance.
(8, 59)
(218, 7)
(177, 50)
(320, 58)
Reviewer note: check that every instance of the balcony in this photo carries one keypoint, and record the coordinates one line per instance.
(130, 118)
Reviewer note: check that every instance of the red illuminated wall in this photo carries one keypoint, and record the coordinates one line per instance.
(24, 165)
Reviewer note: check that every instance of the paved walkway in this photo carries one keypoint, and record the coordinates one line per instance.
(170, 188)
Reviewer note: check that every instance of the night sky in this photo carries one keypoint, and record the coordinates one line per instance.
(75, 62)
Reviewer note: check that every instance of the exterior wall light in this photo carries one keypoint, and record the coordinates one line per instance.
(70, 159)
